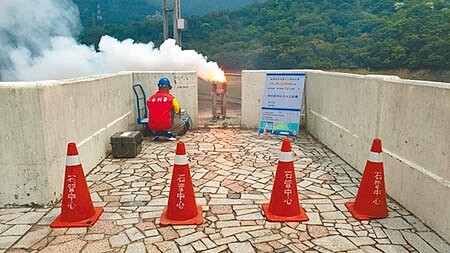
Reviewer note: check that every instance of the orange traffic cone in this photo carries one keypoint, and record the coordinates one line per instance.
(284, 200)
(76, 208)
(371, 197)
(182, 208)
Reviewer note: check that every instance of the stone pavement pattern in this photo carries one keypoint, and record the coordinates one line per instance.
(233, 172)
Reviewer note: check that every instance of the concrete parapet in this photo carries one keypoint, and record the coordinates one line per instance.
(347, 111)
(38, 119)
(344, 111)
(41, 117)
(415, 127)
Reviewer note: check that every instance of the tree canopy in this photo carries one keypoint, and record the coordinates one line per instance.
(324, 34)
(130, 11)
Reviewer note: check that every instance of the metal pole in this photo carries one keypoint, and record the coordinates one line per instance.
(224, 105)
(214, 100)
(165, 12)
(176, 16)
(179, 17)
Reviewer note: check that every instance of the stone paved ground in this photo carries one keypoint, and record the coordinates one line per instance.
(233, 172)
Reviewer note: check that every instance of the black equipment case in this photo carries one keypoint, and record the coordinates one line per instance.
(126, 144)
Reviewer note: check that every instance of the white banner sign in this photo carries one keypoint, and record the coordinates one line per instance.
(282, 103)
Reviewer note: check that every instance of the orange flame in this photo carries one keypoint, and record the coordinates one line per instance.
(217, 76)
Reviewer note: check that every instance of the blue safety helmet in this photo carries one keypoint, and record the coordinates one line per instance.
(164, 82)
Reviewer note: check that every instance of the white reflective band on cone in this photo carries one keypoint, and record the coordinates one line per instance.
(286, 157)
(181, 160)
(375, 157)
(73, 160)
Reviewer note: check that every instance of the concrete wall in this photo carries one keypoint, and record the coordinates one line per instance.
(346, 112)
(415, 127)
(38, 119)
(22, 147)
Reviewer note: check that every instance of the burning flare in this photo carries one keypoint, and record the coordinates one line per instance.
(219, 76)
(211, 72)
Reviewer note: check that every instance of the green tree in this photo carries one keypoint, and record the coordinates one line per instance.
(323, 34)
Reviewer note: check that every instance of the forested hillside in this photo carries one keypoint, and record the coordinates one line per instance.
(324, 34)
(130, 11)
(115, 11)
(201, 7)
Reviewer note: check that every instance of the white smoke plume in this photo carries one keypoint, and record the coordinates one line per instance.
(37, 44)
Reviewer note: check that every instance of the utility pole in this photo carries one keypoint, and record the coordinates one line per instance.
(165, 13)
(99, 16)
(176, 17)
(179, 24)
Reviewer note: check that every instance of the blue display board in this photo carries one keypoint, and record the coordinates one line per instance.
(282, 103)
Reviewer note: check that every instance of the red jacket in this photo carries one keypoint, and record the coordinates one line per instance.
(160, 111)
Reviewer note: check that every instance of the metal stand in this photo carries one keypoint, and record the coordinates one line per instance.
(218, 93)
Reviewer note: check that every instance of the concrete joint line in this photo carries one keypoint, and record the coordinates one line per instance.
(104, 128)
(444, 182)
(333, 123)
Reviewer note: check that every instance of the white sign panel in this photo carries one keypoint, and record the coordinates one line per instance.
(282, 103)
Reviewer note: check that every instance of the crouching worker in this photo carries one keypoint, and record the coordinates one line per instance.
(162, 107)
